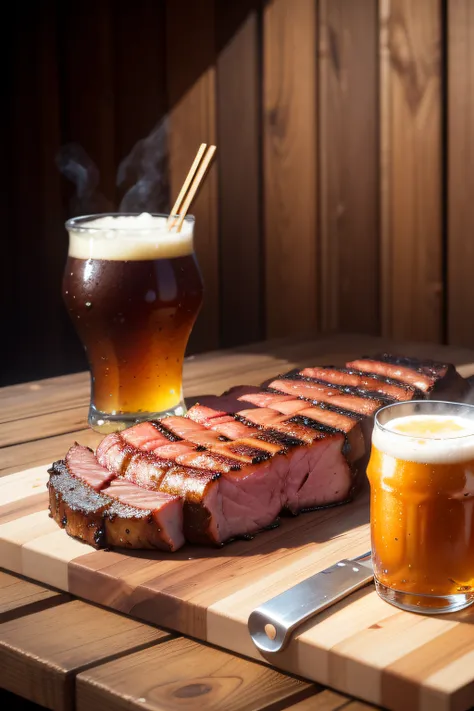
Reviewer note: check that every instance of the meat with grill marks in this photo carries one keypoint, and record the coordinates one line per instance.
(230, 467)
(433, 379)
(113, 514)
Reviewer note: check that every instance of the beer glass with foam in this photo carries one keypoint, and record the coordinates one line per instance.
(133, 290)
(421, 474)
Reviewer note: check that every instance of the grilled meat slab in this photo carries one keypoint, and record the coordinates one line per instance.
(125, 517)
(229, 467)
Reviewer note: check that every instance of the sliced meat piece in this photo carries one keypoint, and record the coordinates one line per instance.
(191, 431)
(82, 463)
(75, 506)
(221, 507)
(351, 426)
(315, 392)
(318, 476)
(174, 450)
(114, 453)
(209, 461)
(268, 418)
(432, 378)
(145, 469)
(145, 436)
(324, 418)
(98, 519)
(234, 429)
(367, 381)
(286, 404)
(158, 524)
(202, 413)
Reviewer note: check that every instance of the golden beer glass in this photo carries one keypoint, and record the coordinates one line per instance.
(421, 474)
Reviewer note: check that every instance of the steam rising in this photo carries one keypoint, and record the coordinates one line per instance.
(146, 165)
(142, 174)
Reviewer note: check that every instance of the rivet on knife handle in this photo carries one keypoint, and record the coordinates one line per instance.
(272, 624)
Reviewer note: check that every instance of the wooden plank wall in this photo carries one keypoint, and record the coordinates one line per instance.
(341, 194)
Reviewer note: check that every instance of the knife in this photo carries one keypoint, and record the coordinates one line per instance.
(272, 624)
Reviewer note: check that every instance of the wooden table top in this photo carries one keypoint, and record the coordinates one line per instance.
(63, 653)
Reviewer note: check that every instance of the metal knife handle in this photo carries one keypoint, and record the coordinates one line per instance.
(272, 624)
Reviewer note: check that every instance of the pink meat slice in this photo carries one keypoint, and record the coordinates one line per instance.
(318, 475)
(263, 399)
(322, 415)
(356, 379)
(202, 413)
(166, 510)
(144, 436)
(332, 396)
(174, 450)
(268, 418)
(82, 464)
(395, 371)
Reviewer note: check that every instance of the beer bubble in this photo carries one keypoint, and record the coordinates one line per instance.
(150, 296)
(88, 305)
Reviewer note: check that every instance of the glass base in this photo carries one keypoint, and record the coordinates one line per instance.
(105, 422)
(425, 604)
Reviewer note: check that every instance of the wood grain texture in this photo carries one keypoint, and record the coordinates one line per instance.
(411, 164)
(19, 597)
(44, 396)
(290, 191)
(191, 79)
(348, 165)
(238, 127)
(183, 674)
(327, 700)
(21, 456)
(41, 426)
(460, 169)
(67, 639)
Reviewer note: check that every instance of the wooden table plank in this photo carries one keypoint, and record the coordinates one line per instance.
(37, 427)
(40, 654)
(28, 454)
(327, 700)
(182, 673)
(19, 597)
(31, 409)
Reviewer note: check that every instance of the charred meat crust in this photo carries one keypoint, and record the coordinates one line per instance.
(280, 438)
(165, 431)
(95, 518)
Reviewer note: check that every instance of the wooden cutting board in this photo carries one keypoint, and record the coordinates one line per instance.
(362, 646)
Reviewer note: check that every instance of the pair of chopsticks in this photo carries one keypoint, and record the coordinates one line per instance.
(190, 186)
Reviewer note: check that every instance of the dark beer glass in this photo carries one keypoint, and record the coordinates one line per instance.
(133, 290)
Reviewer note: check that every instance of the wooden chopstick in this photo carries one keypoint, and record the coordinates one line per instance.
(174, 212)
(195, 186)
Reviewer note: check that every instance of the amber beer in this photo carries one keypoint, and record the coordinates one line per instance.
(133, 290)
(421, 474)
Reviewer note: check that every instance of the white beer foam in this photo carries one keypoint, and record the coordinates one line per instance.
(438, 448)
(129, 238)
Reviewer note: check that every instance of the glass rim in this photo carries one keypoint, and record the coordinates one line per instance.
(79, 223)
(449, 403)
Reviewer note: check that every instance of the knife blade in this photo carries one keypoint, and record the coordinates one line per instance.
(272, 624)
